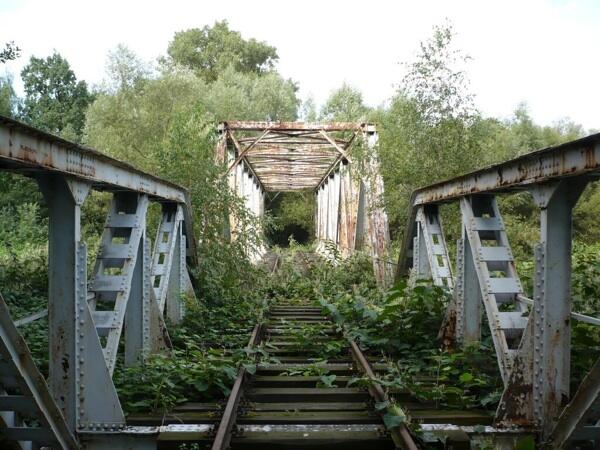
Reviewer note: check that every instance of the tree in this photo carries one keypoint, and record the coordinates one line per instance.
(10, 52)
(125, 70)
(208, 51)
(8, 97)
(437, 82)
(344, 104)
(54, 100)
(431, 125)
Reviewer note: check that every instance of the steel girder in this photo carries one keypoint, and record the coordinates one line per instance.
(536, 358)
(350, 214)
(30, 151)
(86, 322)
(170, 279)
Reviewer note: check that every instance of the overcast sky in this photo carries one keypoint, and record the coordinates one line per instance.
(543, 52)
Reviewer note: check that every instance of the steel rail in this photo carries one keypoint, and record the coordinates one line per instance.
(223, 434)
(401, 434)
(32, 317)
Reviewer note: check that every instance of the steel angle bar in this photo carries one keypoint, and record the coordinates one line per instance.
(583, 407)
(35, 316)
(576, 316)
(291, 126)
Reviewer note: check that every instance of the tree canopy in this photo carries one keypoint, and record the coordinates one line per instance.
(54, 100)
(210, 50)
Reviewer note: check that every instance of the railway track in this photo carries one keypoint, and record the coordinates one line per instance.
(287, 405)
(297, 400)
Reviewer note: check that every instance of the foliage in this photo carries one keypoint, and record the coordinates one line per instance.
(161, 382)
(403, 324)
(211, 50)
(293, 214)
(23, 281)
(8, 97)
(9, 52)
(344, 104)
(54, 100)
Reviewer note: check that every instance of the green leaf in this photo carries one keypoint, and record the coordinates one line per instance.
(250, 368)
(380, 406)
(327, 380)
(466, 377)
(393, 421)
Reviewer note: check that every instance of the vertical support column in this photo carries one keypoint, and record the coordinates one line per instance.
(348, 209)
(422, 268)
(221, 150)
(470, 315)
(174, 306)
(552, 299)
(64, 198)
(137, 316)
(379, 234)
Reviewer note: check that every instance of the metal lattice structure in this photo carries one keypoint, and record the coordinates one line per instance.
(266, 157)
(135, 286)
(130, 290)
(531, 336)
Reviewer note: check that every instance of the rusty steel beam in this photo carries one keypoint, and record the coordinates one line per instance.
(243, 153)
(245, 158)
(291, 126)
(26, 148)
(33, 152)
(574, 158)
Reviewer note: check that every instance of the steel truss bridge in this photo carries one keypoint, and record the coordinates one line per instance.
(136, 285)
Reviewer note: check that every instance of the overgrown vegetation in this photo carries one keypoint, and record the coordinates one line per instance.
(162, 118)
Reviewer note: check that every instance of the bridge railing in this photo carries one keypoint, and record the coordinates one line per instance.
(532, 337)
(132, 287)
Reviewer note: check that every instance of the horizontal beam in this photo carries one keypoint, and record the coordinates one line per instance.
(573, 158)
(26, 148)
(35, 316)
(291, 126)
(575, 316)
(580, 157)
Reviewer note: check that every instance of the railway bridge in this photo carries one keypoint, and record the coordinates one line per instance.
(137, 284)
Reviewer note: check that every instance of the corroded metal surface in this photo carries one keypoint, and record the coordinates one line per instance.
(25, 147)
(291, 126)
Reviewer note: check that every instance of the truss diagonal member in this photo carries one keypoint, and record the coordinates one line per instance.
(494, 266)
(238, 147)
(18, 369)
(246, 150)
(431, 241)
(579, 418)
(165, 258)
(335, 145)
(124, 232)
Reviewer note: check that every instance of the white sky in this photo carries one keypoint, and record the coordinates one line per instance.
(546, 53)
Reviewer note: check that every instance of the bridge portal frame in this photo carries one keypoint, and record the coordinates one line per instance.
(262, 157)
